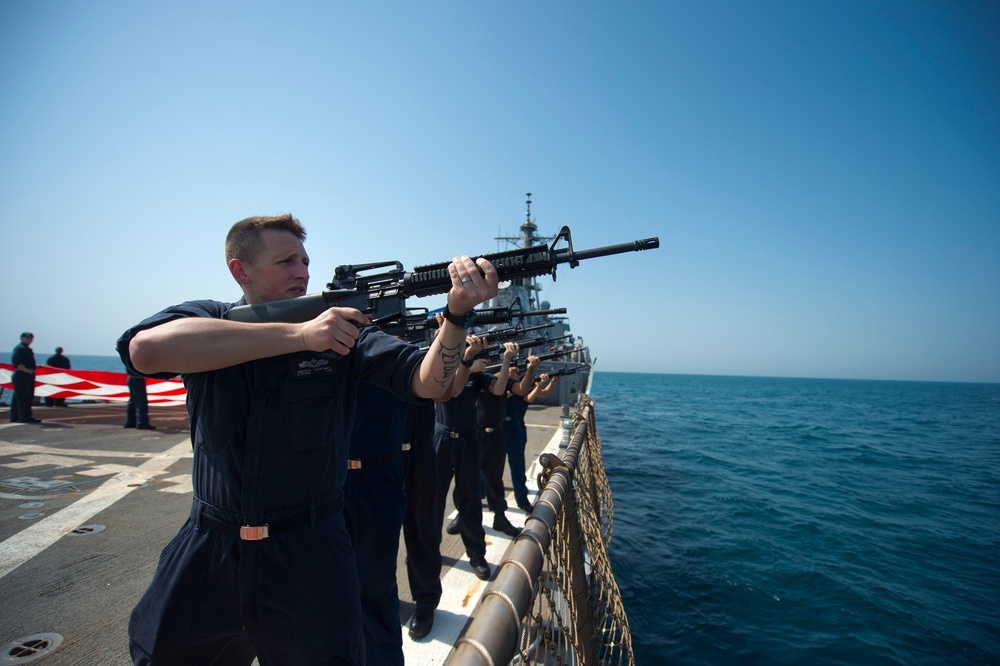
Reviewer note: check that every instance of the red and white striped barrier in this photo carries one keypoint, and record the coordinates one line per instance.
(96, 385)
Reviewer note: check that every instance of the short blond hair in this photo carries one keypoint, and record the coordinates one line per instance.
(243, 240)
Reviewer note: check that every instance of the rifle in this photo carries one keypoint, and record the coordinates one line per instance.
(527, 344)
(491, 316)
(511, 332)
(419, 322)
(522, 363)
(563, 371)
(383, 295)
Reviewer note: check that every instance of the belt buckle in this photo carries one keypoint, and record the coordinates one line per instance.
(454, 435)
(488, 429)
(253, 532)
(353, 464)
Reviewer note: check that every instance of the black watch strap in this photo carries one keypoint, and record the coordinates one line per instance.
(467, 364)
(462, 321)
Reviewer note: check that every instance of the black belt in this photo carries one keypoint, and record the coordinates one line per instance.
(358, 463)
(258, 532)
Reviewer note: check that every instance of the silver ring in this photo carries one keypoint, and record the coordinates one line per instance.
(466, 279)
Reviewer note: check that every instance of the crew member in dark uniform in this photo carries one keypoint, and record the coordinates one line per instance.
(137, 409)
(264, 566)
(421, 535)
(57, 360)
(490, 412)
(23, 379)
(459, 456)
(374, 504)
(516, 435)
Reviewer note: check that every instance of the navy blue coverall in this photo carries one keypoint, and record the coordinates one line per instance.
(490, 413)
(421, 534)
(456, 441)
(270, 440)
(374, 504)
(24, 384)
(516, 435)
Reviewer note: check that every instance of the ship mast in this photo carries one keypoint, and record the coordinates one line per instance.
(527, 239)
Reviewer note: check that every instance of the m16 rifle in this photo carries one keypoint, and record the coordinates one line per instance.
(420, 323)
(522, 363)
(493, 316)
(511, 332)
(383, 295)
(495, 350)
(562, 372)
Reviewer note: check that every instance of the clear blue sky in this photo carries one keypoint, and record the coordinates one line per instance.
(824, 177)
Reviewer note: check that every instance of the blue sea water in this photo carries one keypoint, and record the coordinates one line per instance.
(78, 361)
(801, 521)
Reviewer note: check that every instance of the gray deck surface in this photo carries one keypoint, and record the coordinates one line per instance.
(131, 491)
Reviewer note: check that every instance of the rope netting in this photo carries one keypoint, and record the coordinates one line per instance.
(555, 599)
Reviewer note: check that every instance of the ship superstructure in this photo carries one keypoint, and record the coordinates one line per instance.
(574, 365)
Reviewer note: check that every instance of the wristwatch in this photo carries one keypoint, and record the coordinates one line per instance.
(462, 321)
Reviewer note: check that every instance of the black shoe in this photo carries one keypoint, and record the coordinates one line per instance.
(525, 506)
(452, 527)
(501, 524)
(421, 623)
(145, 427)
(33, 421)
(129, 425)
(481, 568)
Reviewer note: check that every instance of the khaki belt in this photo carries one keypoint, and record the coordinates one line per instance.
(259, 532)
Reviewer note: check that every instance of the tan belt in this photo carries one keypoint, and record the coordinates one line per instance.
(260, 532)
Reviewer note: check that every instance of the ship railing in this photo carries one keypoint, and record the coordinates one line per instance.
(554, 599)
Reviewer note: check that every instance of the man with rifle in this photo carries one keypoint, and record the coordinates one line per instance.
(459, 453)
(264, 566)
(490, 411)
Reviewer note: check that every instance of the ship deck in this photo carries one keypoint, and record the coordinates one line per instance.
(86, 506)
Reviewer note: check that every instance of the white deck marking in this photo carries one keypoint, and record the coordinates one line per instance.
(461, 589)
(29, 542)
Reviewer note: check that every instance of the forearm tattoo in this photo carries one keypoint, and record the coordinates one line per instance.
(450, 358)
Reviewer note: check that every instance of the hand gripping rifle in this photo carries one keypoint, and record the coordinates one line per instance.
(562, 372)
(383, 295)
(419, 323)
(522, 363)
(494, 350)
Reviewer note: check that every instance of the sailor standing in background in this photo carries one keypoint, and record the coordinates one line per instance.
(456, 441)
(137, 410)
(23, 379)
(490, 412)
(374, 504)
(57, 360)
(516, 435)
(423, 541)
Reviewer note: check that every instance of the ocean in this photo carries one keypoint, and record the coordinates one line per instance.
(78, 361)
(804, 521)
